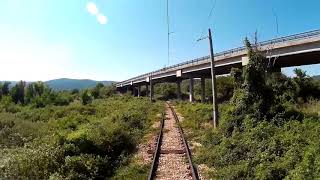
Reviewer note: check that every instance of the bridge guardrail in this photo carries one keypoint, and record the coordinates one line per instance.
(304, 35)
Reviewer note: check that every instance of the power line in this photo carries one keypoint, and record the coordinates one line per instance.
(276, 20)
(209, 17)
(201, 37)
(168, 31)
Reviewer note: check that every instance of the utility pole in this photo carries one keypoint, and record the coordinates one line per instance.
(215, 114)
(151, 88)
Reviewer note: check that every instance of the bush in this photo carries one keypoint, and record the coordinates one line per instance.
(264, 131)
(86, 97)
(74, 141)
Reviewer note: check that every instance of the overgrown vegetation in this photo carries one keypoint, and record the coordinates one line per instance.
(167, 91)
(270, 129)
(68, 135)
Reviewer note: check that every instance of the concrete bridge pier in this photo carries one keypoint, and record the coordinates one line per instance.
(191, 93)
(133, 90)
(129, 90)
(139, 90)
(203, 89)
(151, 92)
(179, 89)
(151, 89)
(147, 90)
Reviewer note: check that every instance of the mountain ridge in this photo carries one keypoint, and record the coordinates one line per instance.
(68, 83)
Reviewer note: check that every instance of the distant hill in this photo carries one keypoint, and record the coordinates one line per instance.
(69, 84)
(316, 77)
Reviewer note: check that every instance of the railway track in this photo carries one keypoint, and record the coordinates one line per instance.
(172, 157)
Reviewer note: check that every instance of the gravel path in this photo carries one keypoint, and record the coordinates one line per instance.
(172, 165)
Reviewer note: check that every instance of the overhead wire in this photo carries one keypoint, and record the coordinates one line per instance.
(272, 61)
(213, 6)
(202, 37)
(168, 33)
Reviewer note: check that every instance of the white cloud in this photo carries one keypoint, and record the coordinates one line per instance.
(92, 8)
(102, 19)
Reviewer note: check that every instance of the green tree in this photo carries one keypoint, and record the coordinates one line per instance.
(30, 92)
(1, 91)
(95, 92)
(165, 90)
(252, 91)
(86, 97)
(17, 92)
(5, 88)
(305, 85)
(39, 88)
(108, 91)
(75, 91)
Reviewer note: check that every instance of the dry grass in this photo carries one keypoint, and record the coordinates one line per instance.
(312, 107)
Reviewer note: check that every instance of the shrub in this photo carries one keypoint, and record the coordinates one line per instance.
(86, 97)
(264, 133)
(75, 141)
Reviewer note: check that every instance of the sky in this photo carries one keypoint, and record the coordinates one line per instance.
(119, 39)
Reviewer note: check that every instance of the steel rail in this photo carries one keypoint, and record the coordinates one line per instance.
(156, 154)
(194, 172)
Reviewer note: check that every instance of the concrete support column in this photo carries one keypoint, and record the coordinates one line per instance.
(203, 90)
(191, 93)
(179, 89)
(133, 91)
(147, 90)
(151, 91)
(151, 88)
(139, 90)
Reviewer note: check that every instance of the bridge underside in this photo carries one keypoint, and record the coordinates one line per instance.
(279, 62)
(298, 59)
(203, 73)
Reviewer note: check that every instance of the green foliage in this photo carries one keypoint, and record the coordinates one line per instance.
(17, 92)
(86, 97)
(5, 88)
(165, 90)
(75, 141)
(306, 87)
(225, 87)
(197, 113)
(133, 171)
(95, 92)
(32, 163)
(269, 130)
(36, 94)
(108, 91)
(62, 99)
(75, 91)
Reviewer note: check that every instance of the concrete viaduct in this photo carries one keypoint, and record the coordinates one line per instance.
(294, 50)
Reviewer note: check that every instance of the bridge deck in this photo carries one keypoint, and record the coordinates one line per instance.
(294, 50)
